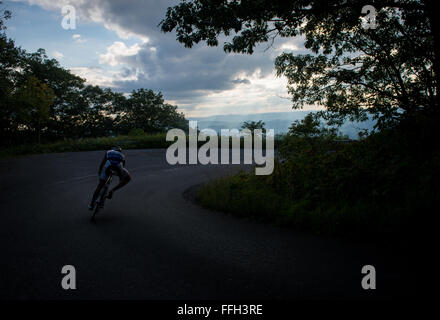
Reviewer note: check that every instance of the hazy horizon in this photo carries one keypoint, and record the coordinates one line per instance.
(279, 121)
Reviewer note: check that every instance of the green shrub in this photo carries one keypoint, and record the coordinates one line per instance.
(382, 185)
(145, 141)
(137, 139)
(136, 132)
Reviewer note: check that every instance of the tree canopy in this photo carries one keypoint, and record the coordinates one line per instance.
(253, 125)
(32, 101)
(42, 101)
(390, 71)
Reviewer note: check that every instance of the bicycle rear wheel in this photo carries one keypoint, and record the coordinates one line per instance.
(99, 203)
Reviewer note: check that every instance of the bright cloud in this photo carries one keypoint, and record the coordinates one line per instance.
(103, 77)
(78, 39)
(258, 94)
(94, 76)
(201, 80)
(289, 46)
(117, 51)
(58, 55)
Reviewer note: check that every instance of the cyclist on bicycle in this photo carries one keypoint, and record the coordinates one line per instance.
(113, 160)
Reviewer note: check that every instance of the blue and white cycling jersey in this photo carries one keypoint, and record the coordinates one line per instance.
(115, 158)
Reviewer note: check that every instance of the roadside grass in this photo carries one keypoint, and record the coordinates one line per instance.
(133, 141)
(147, 141)
(248, 196)
(244, 195)
(384, 187)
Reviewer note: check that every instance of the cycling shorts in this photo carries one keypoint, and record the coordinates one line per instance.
(120, 170)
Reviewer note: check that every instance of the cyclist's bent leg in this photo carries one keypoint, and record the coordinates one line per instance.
(124, 178)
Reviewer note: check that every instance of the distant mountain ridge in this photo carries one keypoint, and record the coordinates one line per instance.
(279, 121)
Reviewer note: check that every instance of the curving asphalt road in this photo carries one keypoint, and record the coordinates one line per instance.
(150, 242)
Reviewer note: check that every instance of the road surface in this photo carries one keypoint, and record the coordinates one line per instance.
(150, 242)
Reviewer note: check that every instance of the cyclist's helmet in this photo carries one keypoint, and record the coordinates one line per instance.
(117, 148)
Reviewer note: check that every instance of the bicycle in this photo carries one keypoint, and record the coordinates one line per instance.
(100, 201)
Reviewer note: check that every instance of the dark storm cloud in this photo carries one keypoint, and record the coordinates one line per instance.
(244, 81)
(161, 63)
(171, 68)
(177, 71)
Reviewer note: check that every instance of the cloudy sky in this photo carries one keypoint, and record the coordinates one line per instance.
(116, 43)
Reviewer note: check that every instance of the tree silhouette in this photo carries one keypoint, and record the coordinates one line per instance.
(391, 72)
(253, 125)
(33, 99)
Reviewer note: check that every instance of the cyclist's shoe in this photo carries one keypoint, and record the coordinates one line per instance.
(91, 206)
(110, 194)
